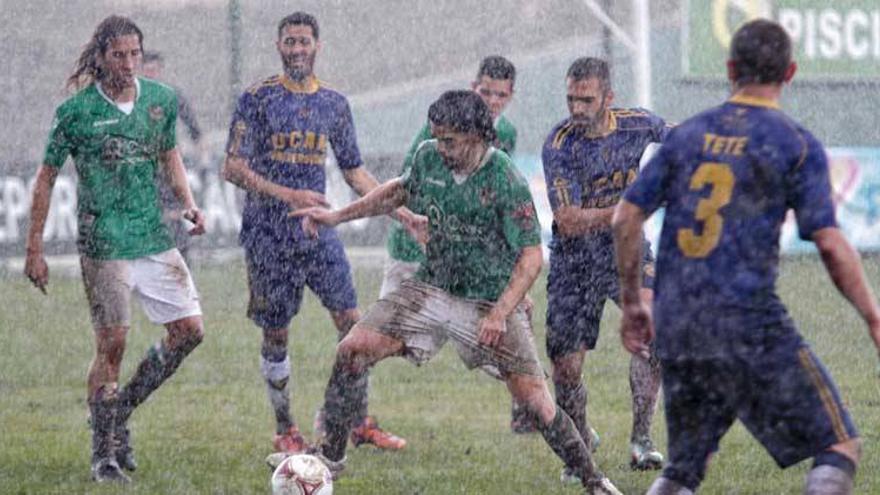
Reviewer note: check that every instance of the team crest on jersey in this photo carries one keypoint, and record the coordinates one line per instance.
(524, 214)
(304, 112)
(156, 112)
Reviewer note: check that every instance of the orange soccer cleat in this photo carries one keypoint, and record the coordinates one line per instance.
(291, 441)
(369, 432)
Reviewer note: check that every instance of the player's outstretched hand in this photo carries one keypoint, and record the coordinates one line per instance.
(313, 218)
(37, 271)
(492, 328)
(637, 329)
(197, 218)
(416, 226)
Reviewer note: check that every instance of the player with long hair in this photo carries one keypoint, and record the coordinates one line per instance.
(120, 131)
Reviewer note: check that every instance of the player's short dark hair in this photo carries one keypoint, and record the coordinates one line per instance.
(588, 68)
(464, 111)
(299, 19)
(153, 56)
(497, 67)
(760, 52)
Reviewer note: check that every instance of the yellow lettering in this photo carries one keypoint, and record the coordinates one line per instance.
(740, 146)
(707, 141)
(322, 143)
(617, 179)
(296, 139)
(279, 141)
(631, 176)
(310, 140)
(724, 145)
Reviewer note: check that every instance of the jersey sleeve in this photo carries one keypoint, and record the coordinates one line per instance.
(659, 127)
(60, 144)
(423, 135)
(810, 190)
(411, 176)
(245, 129)
(648, 190)
(563, 188)
(343, 138)
(169, 129)
(518, 215)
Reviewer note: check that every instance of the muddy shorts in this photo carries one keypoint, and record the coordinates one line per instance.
(424, 317)
(161, 281)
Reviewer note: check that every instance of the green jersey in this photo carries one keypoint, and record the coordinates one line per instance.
(478, 224)
(116, 156)
(401, 246)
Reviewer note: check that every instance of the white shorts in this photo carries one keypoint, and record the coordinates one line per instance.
(161, 281)
(396, 272)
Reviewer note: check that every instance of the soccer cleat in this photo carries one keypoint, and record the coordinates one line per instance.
(124, 452)
(644, 456)
(107, 470)
(290, 441)
(369, 432)
(601, 486)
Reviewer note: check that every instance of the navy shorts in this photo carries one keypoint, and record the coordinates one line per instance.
(577, 289)
(784, 397)
(276, 278)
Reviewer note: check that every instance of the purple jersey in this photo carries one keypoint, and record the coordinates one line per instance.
(592, 172)
(283, 128)
(727, 178)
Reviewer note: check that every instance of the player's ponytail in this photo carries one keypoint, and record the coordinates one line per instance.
(88, 67)
(463, 111)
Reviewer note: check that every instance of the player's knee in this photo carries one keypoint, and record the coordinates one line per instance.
(345, 320)
(185, 334)
(566, 373)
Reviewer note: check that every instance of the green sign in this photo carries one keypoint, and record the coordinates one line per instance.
(832, 40)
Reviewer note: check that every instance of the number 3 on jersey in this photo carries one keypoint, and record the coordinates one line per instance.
(719, 176)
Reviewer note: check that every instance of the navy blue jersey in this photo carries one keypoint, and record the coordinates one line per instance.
(283, 128)
(727, 178)
(592, 172)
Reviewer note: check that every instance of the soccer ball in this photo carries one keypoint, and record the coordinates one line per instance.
(302, 474)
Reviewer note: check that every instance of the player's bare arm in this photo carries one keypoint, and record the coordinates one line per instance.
(237, 171)
(176, 174)
(574, 221)
(35, 267)
(636, 326)
(845, 269)
(362, 181)
(525, 271)
(380, 201)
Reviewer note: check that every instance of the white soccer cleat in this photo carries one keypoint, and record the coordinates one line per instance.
(644, 456)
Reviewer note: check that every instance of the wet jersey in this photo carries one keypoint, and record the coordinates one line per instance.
(283, 129)
(477, 226)
(727, 177)
(592, 172)
(401, 246)
(116, 156)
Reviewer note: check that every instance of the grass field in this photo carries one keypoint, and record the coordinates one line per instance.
(209, 428)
